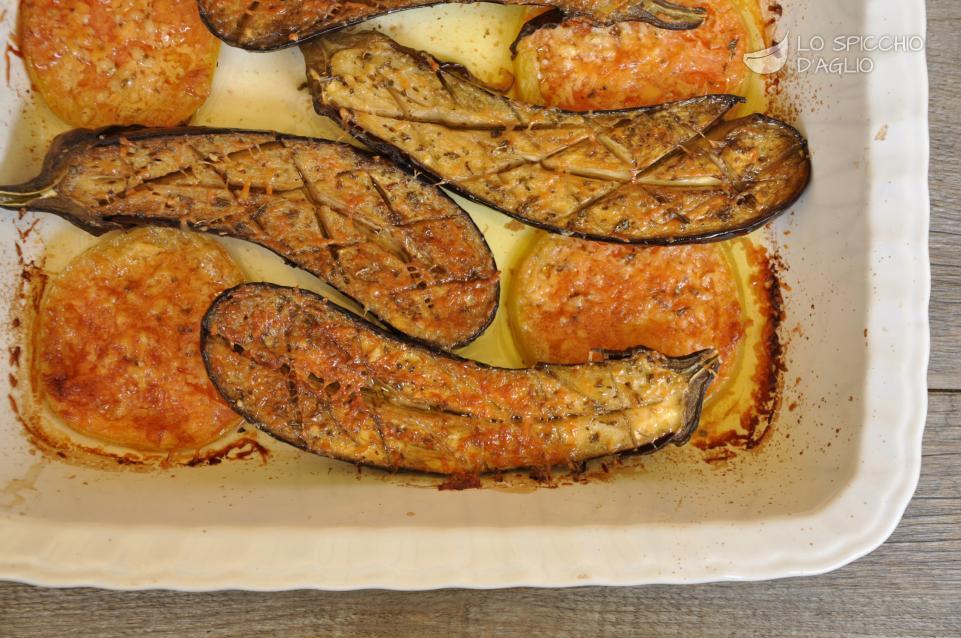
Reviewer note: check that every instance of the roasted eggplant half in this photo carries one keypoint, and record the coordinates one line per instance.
(398, 246)
(318, 377)
(669, 174)
(265, 25)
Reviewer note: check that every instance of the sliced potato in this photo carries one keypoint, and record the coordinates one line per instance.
(579, 65)
(572, 297)
(117, 340)
(104, 62)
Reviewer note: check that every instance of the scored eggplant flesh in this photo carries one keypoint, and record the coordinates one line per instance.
(396, 245)
(266, 25)
(315, 376)
(662, 175)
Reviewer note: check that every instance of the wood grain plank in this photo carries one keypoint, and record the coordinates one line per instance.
(944, 58)
(911, 586)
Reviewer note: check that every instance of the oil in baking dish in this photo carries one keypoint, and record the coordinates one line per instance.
(264, 91)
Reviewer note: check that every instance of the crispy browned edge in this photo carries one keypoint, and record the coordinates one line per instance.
(410, 165)
(698, 383)
(79, 140)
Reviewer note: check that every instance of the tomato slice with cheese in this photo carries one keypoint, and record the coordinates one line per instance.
(580, 66)
(117, 340)
(572, 298)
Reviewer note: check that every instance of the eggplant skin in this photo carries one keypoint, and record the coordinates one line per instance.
(317, 377)
(398, 246)
(663, 175)
(268, 25)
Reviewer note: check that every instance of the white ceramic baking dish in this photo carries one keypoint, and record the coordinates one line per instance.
(829, 486)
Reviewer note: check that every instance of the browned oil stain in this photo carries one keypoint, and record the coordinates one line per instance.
(240, 450)
(460, 482)
(24, 233)
(12, 493)
(10, 48)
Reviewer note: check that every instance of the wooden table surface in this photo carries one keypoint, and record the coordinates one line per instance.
(911, 586)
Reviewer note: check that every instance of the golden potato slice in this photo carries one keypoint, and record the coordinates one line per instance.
(581, 66)
(117, 343)
(103, 62)
(571, 297)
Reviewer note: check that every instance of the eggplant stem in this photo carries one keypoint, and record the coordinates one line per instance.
(19, 199)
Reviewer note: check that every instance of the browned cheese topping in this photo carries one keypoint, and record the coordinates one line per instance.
(572, 298)
(580, 65)
(118, 335)
(103, 62)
